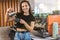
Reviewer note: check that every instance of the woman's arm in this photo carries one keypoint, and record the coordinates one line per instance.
(29, 27)
(7, 18)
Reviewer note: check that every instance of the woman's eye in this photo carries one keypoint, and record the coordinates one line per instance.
(22, 6)
(25, 5)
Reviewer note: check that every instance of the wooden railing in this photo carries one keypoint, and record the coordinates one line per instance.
(4, 5)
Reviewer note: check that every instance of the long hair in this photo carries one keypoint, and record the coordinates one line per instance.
(28, 5)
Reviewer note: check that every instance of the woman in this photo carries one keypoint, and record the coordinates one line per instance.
(26, 23)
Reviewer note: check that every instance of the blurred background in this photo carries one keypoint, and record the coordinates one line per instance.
(39, 8)
(45, 12)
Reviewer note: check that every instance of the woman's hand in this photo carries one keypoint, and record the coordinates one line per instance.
(29, 27)
(9, 10)
(7, 18)
(22, 21)
(6, 15)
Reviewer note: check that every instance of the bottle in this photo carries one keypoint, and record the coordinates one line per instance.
(55, 30)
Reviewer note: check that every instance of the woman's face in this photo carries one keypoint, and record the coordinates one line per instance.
(25, 7)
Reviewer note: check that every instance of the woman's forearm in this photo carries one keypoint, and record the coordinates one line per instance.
(30, 28)
(8, 19)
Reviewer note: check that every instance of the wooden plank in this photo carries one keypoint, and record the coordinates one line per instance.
(12, 4)
(2, 14)
(15, 6)
(3, 11)
(18, 6)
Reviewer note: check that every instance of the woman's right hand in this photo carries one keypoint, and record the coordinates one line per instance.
(6, 15)
(9, 10)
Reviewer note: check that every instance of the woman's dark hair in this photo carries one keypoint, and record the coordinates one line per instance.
(21, 6)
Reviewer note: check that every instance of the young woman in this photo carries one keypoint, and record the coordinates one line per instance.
(26, 23)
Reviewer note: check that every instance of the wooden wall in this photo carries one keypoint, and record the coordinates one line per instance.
(4, 5)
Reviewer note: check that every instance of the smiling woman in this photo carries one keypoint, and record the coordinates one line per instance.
(26, 21)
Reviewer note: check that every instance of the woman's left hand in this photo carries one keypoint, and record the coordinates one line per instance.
(22, 21)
